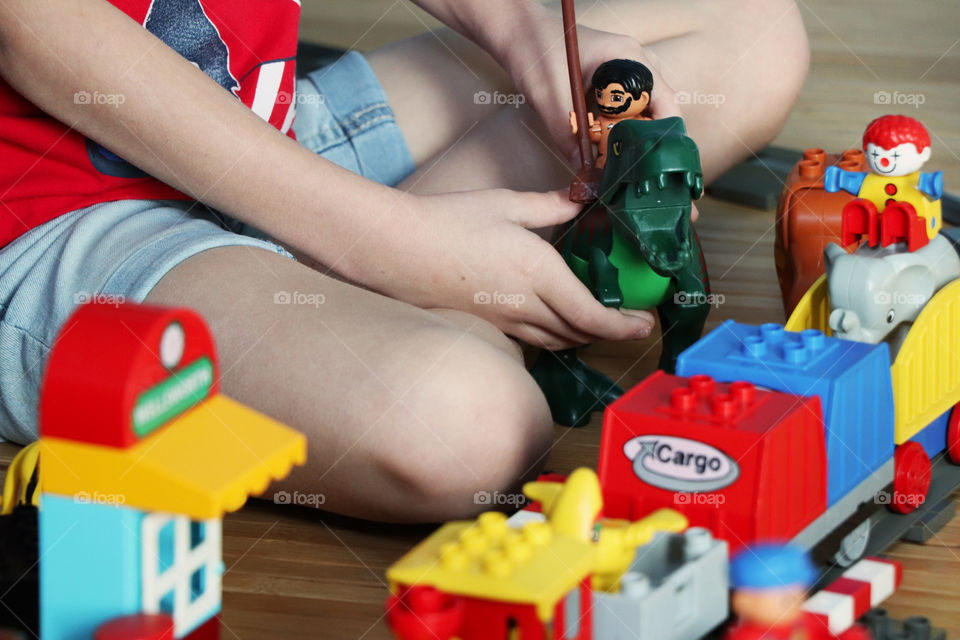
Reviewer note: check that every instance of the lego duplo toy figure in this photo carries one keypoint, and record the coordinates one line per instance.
(622, 89)
(895, 202)
(770, 583)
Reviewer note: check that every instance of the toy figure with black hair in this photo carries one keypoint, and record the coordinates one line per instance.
(770, 584)
(622, 89)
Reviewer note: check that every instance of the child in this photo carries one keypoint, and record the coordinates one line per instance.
(136, 134)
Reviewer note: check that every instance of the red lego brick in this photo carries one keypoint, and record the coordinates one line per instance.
(424, 613)
(106, 357)
(860, 219)
(724, 455)
(140, 626)
(209, 630)
(899, 222)
(856, 589)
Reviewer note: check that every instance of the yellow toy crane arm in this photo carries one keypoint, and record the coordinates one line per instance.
(17, 483)
(618, 542)
(571, 507)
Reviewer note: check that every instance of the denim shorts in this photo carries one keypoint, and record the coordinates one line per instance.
(120, 250)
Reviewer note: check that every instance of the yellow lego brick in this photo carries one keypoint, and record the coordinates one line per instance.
(873, 189)
(571, 506)
(813, 310)
(202, 464)
(926, 373)
(618, 541)
(488, 559)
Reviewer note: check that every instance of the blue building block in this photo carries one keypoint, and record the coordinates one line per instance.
(89, 565)
(852, 380)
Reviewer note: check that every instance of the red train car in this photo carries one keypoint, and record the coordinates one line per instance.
(724, 455)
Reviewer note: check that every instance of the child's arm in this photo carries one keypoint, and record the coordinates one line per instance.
(178, 125)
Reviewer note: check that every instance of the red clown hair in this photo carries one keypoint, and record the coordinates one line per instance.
(889, 131)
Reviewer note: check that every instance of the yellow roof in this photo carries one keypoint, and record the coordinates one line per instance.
(202, 464)
(488, 559)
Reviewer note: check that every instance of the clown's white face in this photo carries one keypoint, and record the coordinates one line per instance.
(899, 161)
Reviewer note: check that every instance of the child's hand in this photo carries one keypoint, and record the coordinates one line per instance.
(474, 251)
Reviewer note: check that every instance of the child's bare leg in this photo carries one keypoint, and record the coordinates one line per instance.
(750, 56)
(407, 414)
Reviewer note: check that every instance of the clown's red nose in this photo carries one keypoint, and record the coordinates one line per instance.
(884, 162)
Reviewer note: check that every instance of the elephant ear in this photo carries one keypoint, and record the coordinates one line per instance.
(831, 253)
(915, 282)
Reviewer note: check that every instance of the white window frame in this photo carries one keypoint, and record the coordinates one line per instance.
(155, 585)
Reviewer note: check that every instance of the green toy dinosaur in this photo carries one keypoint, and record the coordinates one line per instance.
(634, 247)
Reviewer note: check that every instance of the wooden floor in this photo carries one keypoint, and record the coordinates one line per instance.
(294, 573)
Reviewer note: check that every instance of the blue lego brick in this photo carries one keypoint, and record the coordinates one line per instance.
(852, 380)
(89, 565)
(933, 437)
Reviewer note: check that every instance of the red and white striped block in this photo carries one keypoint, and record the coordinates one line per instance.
(861, 587)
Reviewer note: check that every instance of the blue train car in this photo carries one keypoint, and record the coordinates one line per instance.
(852, 380)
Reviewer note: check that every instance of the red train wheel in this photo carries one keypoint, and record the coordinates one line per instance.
(911, 477)
(953, 436)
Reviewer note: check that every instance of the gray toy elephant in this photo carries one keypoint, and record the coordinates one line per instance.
(877, 292)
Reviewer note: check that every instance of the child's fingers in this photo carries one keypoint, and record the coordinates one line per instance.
(638, 313)
(584, 313)
(538, 210)
(537, 336)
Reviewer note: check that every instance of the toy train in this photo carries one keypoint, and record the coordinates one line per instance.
(766, 433)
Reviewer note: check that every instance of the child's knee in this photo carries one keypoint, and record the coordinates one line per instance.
(469, 438)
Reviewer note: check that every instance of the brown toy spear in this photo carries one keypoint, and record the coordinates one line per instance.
(583, 189)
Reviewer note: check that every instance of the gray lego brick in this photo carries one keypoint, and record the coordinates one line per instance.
(931, 522)
(883, 627)
(676, 589)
